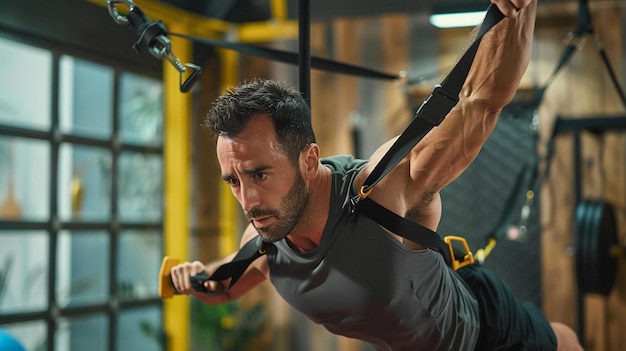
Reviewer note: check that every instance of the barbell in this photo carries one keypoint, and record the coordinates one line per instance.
(598, 250)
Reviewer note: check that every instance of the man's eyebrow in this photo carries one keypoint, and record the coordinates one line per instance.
(253, 170)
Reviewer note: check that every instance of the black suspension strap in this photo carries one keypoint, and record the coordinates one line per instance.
(575, 40)
(292, 58)
(233, 270)
(304, 49)
(434, 109)
(432, 112)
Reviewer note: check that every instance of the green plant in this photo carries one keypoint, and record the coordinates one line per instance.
(225, 327)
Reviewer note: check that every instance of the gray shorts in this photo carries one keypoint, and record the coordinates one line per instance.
(505, 322)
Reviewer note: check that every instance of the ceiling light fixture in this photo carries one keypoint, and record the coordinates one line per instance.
(457, 19)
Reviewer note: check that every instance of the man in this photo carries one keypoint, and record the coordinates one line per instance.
(340, 268)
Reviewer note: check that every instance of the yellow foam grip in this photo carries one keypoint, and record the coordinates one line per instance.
(166, 289)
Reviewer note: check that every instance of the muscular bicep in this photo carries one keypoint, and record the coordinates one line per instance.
(448, 149)
(444, 153)
(491, 83)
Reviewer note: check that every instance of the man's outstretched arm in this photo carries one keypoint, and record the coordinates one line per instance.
(498, 67)
(444, 153)
(256, 273)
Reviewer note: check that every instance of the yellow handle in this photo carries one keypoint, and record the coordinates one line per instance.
(166, 289)
(467, 259)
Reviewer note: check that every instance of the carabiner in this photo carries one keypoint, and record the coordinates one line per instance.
(468, 257)
(117, 17)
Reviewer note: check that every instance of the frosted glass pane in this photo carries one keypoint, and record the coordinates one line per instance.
(25, 89)
(82, 268)
(141, 110)
(84, 183)
(83, 333)
(139, 260)
(140, 187)
(24, 271)
(24, 179)
(140, 329)
(30, 335)
(86, 98)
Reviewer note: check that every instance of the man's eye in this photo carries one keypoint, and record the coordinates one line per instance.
(260, 176)
(232, 181)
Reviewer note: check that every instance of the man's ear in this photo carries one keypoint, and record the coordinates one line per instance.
(310, 159)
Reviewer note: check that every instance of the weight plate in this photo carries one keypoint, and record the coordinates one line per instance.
(596, 234)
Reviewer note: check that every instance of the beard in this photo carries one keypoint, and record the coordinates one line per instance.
(292, 206)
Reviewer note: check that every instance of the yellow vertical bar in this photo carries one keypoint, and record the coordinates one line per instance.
(176, 311)
(279, 9)
(229, 76)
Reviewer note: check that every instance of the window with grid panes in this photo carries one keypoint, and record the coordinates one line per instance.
(81, 197)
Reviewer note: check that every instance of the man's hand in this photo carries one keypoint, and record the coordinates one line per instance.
(511, 8)
(181, 277)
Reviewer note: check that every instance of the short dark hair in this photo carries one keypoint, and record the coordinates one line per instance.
(284, 104)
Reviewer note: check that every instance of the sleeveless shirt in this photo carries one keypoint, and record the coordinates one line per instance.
(362, 283)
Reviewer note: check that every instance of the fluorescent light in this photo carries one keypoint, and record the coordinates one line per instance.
(457, 19)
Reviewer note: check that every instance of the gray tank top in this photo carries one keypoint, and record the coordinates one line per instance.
(362, 283)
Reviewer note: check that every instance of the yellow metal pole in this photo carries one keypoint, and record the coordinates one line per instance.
(253, 32)
(279, 9)
(229, 76)
(176, 311)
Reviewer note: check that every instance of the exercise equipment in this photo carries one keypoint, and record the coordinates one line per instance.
(591, 238)
(230, 271)
(597, 247)
(166, 288)
(153, 36)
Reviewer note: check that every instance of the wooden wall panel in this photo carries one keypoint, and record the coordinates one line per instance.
(582, 89)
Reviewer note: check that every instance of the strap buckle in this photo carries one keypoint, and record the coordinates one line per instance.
(363, 193)
(436, 110)
(468, 259)
(575, 40)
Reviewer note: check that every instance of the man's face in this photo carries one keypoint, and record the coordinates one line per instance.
(271, 192)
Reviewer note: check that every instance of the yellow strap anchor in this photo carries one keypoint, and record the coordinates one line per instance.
(468, 259)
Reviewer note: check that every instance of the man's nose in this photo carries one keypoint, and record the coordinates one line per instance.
(249, 197)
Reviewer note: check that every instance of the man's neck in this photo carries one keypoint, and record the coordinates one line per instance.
(307, 234)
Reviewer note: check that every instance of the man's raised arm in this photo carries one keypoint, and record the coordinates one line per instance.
(498, 67)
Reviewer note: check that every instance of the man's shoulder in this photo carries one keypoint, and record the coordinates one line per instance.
(343, 163)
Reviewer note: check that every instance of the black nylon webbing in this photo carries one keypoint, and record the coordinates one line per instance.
(232, 270)
(574, 40)
(292, 58)
(429, 115)
(408, 229)
(443, 98)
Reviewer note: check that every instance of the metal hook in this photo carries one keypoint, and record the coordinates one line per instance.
(153, 35)
(161, 48)
(191, 80)
(117, 17)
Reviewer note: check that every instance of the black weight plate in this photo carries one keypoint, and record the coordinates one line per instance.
(596, 269)
(607, 264)
(584, 212)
